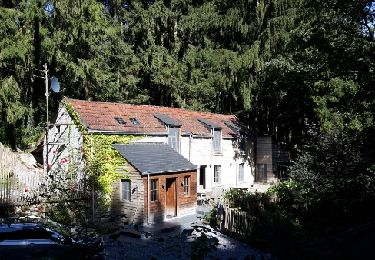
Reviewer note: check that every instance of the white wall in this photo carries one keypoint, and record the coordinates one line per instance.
(197, 150)
(65, 147)
(201, 153)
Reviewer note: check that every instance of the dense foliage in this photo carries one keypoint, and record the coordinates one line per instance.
(281, 65)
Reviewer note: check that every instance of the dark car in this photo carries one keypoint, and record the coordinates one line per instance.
(36, 241)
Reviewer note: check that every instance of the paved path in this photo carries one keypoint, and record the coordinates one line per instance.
(177, 238)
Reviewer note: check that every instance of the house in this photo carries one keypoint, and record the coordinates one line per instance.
(162, 184)
(271, 161)
(214, 143)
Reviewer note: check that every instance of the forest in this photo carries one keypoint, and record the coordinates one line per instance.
(301, 71)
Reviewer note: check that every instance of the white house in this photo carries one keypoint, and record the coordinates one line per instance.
(209, 141)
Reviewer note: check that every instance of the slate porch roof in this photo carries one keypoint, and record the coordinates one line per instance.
(100, 116)
(154, 158)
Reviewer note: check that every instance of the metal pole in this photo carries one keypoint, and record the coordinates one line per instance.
(47, 123)
(148, 198)
(46, 84)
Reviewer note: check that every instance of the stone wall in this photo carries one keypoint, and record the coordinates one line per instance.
(133, 210)
(64, 145)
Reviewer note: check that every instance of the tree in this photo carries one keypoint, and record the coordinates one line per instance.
(12, 110)
(323, 76)
(87, 49)
(333, 176)
(82, 45)
(206, 55)
(331, 58)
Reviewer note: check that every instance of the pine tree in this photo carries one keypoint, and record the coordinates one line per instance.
(206, 55)
(81, 43)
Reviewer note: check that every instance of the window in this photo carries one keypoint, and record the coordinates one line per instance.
(187, 185)
(241, 176)
(217, 172)
(125, 190)
(134, 121)
(154, 190)
(174, 138)
(261, 174)
(120, 120)
(217, 140)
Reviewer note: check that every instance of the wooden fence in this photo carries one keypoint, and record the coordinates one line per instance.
(236, 222)
(18, 184)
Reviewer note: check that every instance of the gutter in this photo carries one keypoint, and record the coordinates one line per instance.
(107, 132)
(91, 131)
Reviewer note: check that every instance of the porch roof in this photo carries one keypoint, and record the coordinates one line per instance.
(151, 158)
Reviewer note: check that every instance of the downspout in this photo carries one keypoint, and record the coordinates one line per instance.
(92, 188)
(190, 140)
(212, 170)
(148, 198)
(237, 172)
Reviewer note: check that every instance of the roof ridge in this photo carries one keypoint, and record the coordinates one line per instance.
(150, 106)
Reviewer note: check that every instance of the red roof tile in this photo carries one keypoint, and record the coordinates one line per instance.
(100, 116)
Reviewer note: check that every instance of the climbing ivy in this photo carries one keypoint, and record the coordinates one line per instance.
(75, 117)
(102, 160)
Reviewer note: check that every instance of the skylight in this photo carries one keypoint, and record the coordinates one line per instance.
(208, 123)
(134, 121)
(167, 120)
(120, 120)
(232, 126)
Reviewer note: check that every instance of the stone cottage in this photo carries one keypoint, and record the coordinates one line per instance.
(223, 157)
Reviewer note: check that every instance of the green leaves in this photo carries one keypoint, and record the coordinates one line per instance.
(103, 162)
(336, 105)
(10, 101)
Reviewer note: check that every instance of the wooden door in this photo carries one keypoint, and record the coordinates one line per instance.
(171, 197)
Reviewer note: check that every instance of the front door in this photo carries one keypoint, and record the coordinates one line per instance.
(171, 203)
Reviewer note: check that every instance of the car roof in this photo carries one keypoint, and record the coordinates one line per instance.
(17, 226)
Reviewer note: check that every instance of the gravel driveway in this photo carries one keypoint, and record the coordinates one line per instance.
(178, 238)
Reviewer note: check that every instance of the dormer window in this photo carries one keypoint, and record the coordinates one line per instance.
(173, 128)
(215, 132)
(134, 121)
(120, 120)
(174, 138)
(216, 140)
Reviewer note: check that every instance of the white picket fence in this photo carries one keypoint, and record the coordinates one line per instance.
(19, 184)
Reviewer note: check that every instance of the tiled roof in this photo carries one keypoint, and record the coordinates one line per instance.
(100, 116)
(154, 158)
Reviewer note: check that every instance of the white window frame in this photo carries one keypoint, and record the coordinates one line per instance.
(154, 190)
(261, 172)
(217, 174)
(174, 140)
(241, 172)
(128, 192)
(216, 140)
(186, 185)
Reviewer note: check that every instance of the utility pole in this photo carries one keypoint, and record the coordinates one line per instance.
(46, 93)
(47, 123)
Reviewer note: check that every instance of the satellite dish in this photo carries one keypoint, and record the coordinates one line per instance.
(55, 84)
